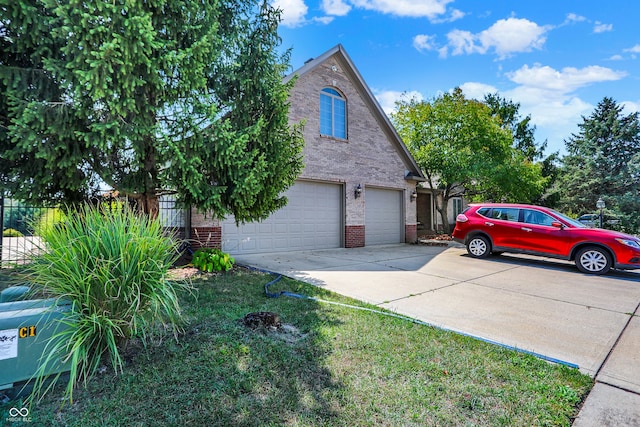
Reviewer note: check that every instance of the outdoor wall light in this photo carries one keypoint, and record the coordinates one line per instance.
(414, 195)
(358, 191)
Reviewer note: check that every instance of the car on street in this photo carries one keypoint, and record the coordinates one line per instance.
(493, 228)
(593, 220)
(590, 220)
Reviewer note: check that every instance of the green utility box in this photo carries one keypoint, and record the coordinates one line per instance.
(25, 328)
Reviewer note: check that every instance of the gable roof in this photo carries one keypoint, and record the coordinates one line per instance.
(349, 68)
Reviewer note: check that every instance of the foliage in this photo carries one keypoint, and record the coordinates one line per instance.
(210, 260)
(19, 216)
(10, 232)
(331, 366)
(149, 98)
(112, 266)
(523, 132)
(508, 112)
(464, 151)
(48, 219)
(602, 161)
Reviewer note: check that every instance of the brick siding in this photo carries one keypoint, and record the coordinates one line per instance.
(206, 237)
(354, 236)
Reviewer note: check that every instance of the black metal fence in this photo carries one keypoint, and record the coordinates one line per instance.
(20, 224)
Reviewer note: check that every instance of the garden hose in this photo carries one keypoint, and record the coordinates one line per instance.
(279, 276)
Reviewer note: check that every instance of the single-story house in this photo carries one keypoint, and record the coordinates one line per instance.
(359, 183)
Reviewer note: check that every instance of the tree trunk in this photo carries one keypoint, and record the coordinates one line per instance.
(149, 205)
(443, 208)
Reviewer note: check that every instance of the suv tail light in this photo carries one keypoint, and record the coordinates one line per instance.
(462, 218)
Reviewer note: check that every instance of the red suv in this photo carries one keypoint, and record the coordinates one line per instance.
(495, 228)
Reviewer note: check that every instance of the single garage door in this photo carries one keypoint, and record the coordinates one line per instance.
(383, 217)
(311, 220)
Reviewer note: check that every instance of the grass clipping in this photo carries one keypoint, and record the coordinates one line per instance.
(111, 265)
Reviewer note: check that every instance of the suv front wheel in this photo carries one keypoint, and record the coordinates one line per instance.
(593, 260)
(479, 247)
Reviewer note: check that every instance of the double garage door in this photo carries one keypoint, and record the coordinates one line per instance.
(313, 219)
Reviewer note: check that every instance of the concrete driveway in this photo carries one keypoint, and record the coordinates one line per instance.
(537, 305)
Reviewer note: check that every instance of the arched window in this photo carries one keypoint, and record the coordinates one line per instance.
(333, 113)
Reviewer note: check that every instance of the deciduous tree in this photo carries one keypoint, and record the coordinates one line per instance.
(464, 151)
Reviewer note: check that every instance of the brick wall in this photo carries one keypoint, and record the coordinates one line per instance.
(206, 237)
(354, 236)
(368, 156)
(411, 233)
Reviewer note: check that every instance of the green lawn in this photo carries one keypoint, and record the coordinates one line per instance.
(329, 366)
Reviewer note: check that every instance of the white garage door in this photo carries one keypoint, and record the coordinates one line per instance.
(383, 217)
(311, 220)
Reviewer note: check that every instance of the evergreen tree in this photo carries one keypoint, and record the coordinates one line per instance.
(602, 161)
(148, 98)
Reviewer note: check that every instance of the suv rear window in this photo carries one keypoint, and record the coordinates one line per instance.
(505, 214)
(485, 212)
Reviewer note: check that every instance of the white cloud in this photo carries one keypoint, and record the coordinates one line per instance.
(602, 28)
(572, 17)
(324, 19)
(630, 106)
(505, 37)
(635, 49)
(549, 97)
(454, 15)
(476, 90)
(387, 99)
(335, 7)
(545, 78)
(462, 42)
(513, 35)
(293, 12)
(424, 42)
(414, 8)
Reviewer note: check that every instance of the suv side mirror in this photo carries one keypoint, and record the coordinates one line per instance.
(558, 224)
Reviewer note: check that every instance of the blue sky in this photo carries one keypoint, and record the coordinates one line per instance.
(557, 58)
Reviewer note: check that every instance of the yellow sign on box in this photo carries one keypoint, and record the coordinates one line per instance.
(27, 331)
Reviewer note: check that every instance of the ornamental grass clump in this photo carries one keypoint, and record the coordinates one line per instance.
(112, 266)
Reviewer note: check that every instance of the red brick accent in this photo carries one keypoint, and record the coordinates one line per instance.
(411, 233)
(354, 236)
(206, 237)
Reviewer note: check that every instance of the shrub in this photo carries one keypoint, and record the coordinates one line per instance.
(209, 260)
(48, 219)
(10, 232)
(112, 265)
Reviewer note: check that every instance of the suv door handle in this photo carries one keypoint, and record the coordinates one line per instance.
(528, 230)
(488, 224)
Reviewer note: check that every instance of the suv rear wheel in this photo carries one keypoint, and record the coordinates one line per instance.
(479, 247)
(593, 260)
